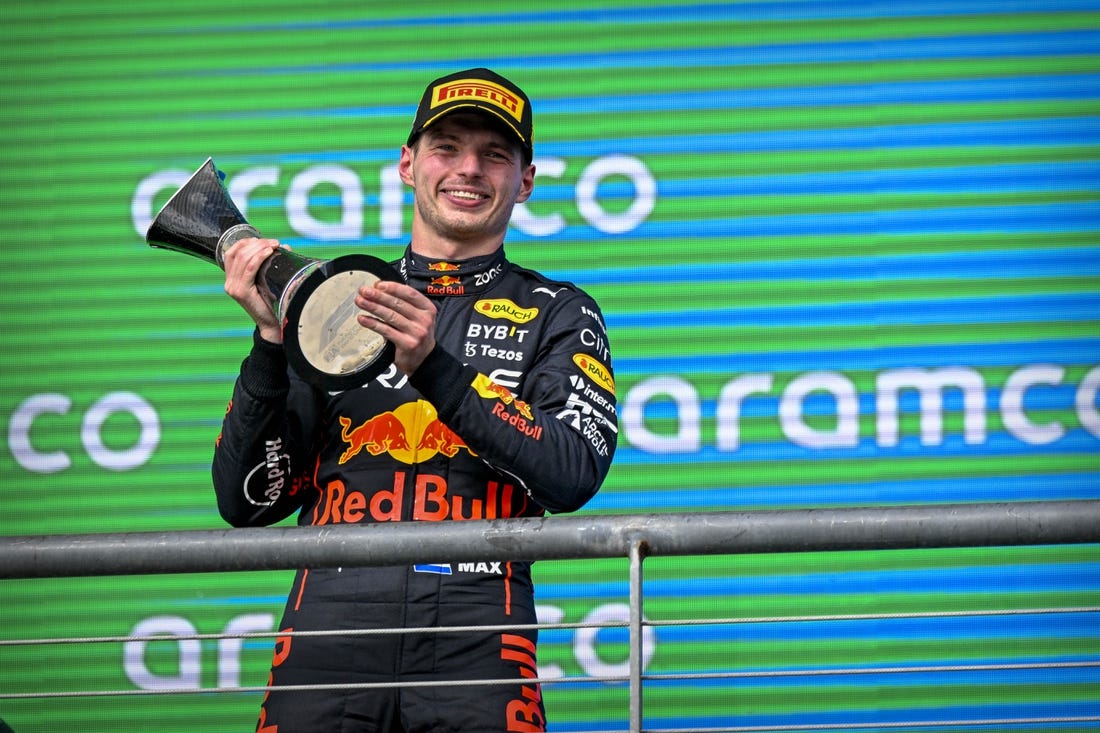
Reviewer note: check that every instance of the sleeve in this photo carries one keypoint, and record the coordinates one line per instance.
(558, 436)
(261, 453)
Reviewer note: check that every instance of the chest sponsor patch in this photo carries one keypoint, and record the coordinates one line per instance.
(506, 309)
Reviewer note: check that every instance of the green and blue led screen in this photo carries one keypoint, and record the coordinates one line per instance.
(848, 255)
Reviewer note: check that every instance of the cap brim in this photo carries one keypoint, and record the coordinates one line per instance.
(463, 106)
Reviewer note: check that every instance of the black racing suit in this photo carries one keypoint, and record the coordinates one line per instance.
(513, 414)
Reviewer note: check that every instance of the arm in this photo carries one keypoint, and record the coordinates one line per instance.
(259, 454)
(557, 441)
(558, 435)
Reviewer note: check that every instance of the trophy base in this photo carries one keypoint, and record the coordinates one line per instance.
(324, 341)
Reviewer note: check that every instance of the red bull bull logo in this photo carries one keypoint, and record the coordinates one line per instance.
(523, 419)
(446, 285)
(411, 433)
(442, 267)
(378, 435)
(490, 390)
(441, 439)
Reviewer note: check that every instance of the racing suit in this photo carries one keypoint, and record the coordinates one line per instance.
(512, 414)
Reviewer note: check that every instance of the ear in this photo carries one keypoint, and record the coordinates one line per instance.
(527, 185)
(404, 167)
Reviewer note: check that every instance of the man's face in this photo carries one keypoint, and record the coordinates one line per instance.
(466, 178)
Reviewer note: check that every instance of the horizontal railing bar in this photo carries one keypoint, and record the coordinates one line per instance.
(977, 613)
(962, 724)
(662, 677)
(859, 671)
(552, 538)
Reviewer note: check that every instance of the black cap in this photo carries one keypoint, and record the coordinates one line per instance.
(479, 89)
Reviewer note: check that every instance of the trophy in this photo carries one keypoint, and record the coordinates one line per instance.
(313, 299)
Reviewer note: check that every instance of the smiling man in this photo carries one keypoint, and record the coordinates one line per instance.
(466, 178)
(500, 403)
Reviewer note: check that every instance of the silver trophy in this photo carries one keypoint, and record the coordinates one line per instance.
(314, 299)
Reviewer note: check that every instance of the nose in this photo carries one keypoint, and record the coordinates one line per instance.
(469, 164)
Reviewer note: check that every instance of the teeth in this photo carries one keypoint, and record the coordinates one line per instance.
(466, 195)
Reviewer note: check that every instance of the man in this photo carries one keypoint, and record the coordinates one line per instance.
(500, 404)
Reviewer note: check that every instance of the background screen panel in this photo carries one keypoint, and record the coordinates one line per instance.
(848, 255)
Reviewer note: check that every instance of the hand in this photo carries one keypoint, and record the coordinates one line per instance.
(242, 263)
(403, 316)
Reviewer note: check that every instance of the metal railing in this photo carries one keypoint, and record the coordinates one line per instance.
(576, 537)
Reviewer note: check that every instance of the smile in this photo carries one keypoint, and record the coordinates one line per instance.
(468, 195)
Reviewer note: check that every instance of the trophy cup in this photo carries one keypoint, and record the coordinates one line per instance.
(314, 299)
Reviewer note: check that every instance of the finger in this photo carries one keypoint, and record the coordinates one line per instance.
(390, 309)
(249, 254)
(403, 294)
(406, 302)
(388, 327)
(381, 319)
(372, 322)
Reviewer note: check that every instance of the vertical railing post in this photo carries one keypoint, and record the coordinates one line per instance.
(637, 554)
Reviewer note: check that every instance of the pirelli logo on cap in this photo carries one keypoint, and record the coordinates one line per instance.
(480, 91)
